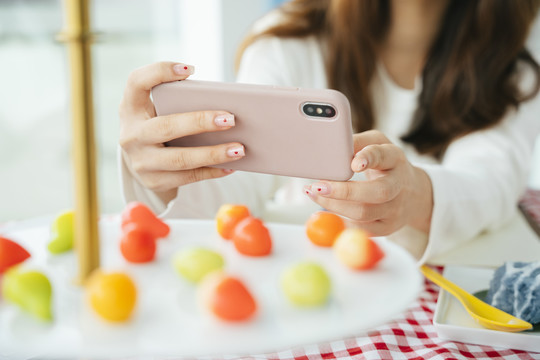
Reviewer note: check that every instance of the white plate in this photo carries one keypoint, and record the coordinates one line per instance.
(168, 320)
(452, 321)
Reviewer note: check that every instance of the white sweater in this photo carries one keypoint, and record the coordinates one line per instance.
(475, 187)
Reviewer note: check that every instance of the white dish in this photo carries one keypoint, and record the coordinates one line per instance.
(168, 320)
(452, 321)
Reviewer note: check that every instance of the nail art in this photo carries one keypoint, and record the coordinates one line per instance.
(224, 120)
(236, 151)
(360, 164)
(321, 188)
(308, 192)
(182, 69)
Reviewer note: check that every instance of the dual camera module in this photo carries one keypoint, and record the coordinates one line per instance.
(318, 110)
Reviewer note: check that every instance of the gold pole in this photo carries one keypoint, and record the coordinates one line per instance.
(78, 38)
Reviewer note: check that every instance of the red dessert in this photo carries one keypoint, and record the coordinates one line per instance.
(136, 212)
(252, 238)
(227, 297)
(137, 245)
(11, 254)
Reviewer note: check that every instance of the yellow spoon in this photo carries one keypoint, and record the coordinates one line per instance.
(486, 315)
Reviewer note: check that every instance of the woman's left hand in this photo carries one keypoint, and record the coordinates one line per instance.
(395, 193)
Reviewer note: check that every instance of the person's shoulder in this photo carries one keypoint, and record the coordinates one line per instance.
(305, 45)
(297, 59)
(293, 61)
(296, 46)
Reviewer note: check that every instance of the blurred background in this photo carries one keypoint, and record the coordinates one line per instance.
(35, 125)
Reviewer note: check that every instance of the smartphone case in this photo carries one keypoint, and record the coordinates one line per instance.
(278, 137)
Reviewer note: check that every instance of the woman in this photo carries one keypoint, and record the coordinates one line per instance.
(448, 86)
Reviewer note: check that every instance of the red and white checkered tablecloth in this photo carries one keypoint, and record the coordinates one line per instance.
(410, 336)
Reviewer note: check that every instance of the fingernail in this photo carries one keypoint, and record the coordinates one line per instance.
(236, 151)
(359, 164)
(307, 190)
(228, 171)
(224, 120)
(183, 69)
(321, 188)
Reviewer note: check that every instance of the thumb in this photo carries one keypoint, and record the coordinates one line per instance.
(370, 137)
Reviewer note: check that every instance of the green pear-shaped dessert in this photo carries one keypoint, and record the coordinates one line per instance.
(62, 233)
(31, 290)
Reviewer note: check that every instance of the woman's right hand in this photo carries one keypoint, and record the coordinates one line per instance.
(143, 134)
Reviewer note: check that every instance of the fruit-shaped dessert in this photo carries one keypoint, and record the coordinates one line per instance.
(251, 237)
(139, 213)
(31, 290)
(226, 297)
(112, 295)
(195, 263)
(62, 233)
(11, 254)
(137, 244)
(306, 284)
(323, 227)
(357, 250)
(227, 217)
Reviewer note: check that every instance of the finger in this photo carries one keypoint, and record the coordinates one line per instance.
(143, 79)
(165, 128)
(378, 191)
(370, 137)
(357, 212)
(186, 158)
(384, 220)
(166, 180)
(378, 157)
(382, 227)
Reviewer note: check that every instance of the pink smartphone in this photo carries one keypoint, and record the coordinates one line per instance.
(286, 131)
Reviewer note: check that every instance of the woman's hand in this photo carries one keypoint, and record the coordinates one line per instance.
(395, 193)
(142, 135)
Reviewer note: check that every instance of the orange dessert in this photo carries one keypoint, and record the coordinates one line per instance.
(227, 217)
(112, 295)
(323, 227)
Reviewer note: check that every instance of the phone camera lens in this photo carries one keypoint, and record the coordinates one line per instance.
(319, 110)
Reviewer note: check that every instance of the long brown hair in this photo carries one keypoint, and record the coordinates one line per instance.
(468, 79)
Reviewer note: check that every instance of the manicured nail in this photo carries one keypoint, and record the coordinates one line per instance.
(224, 120)
(307, 190)
(183, 69)
(236, 151)
(320, 188)
(359, 164)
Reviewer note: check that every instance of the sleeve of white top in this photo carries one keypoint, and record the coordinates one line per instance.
(262, 63)
(133, 190)
(479, 182)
